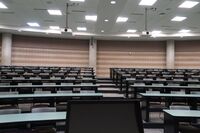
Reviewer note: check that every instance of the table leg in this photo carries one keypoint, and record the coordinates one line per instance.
(147, 111)
(127, 89)
(170, 124)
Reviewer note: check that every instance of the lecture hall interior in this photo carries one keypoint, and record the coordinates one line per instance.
(99, 66)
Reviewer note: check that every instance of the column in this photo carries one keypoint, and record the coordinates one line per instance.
(170, 54)
(6, 49)
(93, 53)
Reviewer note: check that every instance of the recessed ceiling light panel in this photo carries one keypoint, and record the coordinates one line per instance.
(147, 2)
(77, 0)
(121, 19)
(33, 24)
(55, 12)
(188, 4)
(81, 28)
(113, 2)
(184, 31)
(3, 6)
(54, 27)
(156, 32)
(131, 31)
(91, 17)
(179, 18)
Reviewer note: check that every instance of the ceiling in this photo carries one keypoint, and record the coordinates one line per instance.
(20, 12)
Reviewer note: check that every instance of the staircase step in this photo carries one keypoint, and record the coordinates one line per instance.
(108, 90)
(113, 95)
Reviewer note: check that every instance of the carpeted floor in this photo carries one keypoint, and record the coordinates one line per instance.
(153, 131)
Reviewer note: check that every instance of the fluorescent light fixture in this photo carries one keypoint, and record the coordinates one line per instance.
(102, 31)
(55, 12)
(54, 27)
(53, 32)
(184, 31)
(121, 19)
(188, 4)
(113, 2)
(3, 6)
(128, 35)
(40, 31)
(81, 28)
(156, 32)
(77, 0)
(147, 2)
(131, 31)
(91, 17)
(178, 18)
(83, 34)
(106, 20)
(184, 34)
(33, 24)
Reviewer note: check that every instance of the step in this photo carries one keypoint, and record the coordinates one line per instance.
(113, 95)
(108, 90)
(104, 81)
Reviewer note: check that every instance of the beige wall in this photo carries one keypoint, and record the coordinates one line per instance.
(0, 46)
(68, 52)
(49, 51)
(145, 54)
(187, 54)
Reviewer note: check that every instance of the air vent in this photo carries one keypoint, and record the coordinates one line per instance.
(171, 29)
(162, 13)
(132, 22)
(137, 14)
(10, 25)
(49, 2)
(49, 21)
(168, 9)
(165, 26)
(7, 12)
(39, 9)
(193, 27)
(81, 22)
(78, 11)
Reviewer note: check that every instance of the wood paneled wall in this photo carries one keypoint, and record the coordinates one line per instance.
(187, 54)
(140, 54)
(49, 51)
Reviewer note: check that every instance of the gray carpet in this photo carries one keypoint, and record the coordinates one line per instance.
(153, 131)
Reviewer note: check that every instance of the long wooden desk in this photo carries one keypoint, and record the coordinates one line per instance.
(51, 98)
(133, 80)
(53, 80)
(173, 117)
(32, 117)
(165, 89)
(93, 86)
(52, 95)
(148, 97)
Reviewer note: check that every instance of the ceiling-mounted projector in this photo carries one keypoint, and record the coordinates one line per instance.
(146, 33)
(68, 30)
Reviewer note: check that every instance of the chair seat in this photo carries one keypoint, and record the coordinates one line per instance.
(44, 129)
(189, 129)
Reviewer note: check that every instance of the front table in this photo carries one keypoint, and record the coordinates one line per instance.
(173, 117)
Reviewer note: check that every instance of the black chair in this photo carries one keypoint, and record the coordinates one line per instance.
(122, 116)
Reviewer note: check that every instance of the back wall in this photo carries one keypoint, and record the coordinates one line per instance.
(43, 51)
